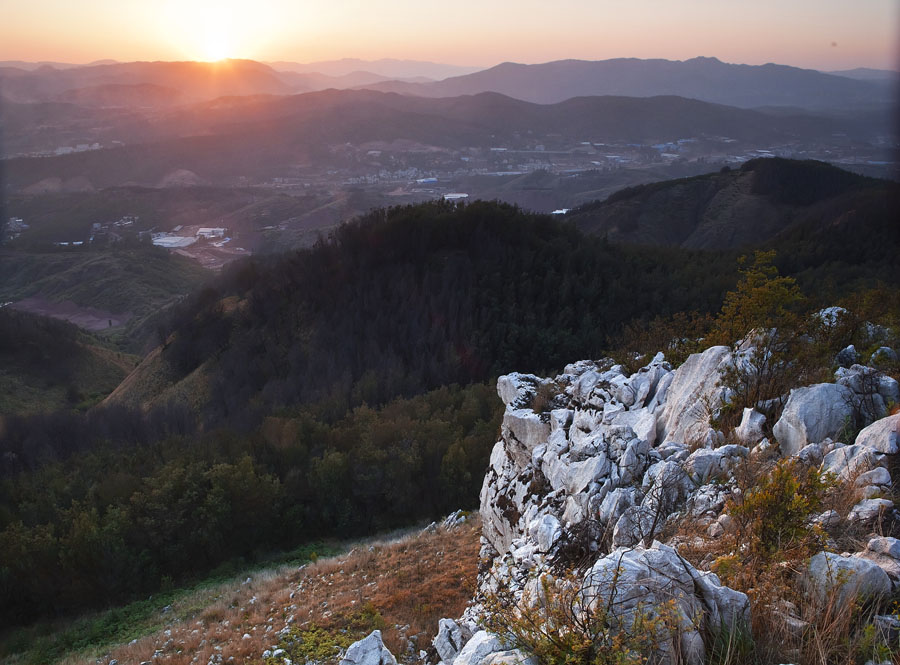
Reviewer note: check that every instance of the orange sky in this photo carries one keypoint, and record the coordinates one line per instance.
(823, 34)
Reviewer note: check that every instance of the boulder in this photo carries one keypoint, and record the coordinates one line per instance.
(450, 639)
(877, 476)
(750, 431)
(850, 577)
(885, 553)
(635, 525)
(848, 461)
(694, 389)
(477, 649)
(523, 429)
(867, 383)
(847, 356)
(812, 414)
(545, 531)
(642, 579)
(369, 651)
(518, 390)
(882, 435)
(511, 657)
(869, 510)
(831, 316)
(615, 503)
(883, 357)
(641, 421)
(706, 464)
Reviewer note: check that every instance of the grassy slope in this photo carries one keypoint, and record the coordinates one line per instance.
(414, 580)
(138, 281)
(95, 372)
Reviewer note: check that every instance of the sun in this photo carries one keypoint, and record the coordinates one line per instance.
(216, 44)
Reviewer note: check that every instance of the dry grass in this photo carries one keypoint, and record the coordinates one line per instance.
(411, 581)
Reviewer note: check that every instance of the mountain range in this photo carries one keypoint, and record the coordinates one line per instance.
(706, 79)
(262, 136)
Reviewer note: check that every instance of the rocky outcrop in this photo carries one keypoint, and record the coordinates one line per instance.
(594, 463)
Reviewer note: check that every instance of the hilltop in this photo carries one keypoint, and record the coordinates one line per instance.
(759, 203)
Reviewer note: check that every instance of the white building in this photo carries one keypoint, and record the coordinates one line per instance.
(211, 232)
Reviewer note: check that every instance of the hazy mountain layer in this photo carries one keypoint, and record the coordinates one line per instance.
(264, 137)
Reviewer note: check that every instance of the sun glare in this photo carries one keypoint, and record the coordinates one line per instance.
(216, 44)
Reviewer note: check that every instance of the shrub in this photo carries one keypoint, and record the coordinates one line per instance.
(774, 516)
(559, 626)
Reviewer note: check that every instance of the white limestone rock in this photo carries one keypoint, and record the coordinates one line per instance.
(545, 531)
(642, 578)
(750, 431)
(882, 435)
(705, 464)
(511, 657)
(883, 356)
(869, 510)
(831, 316)
(369, 651)
(523, 429)
(478, 648)
(812, 414)
(877, 476)
(450, 639)
(849, 576)
(518, 390)
(615, 503)
(864, 380)
(848, 461)
(695, 384)
(885, 553)
(642, 422)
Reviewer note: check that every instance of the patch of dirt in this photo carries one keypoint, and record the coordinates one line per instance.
(89, 318)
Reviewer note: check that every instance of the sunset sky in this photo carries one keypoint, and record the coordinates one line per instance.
(822, 34)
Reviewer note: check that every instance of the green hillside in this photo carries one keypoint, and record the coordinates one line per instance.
(138, 282)
(48, 365)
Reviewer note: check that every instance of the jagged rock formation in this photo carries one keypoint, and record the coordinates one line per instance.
(593, 463)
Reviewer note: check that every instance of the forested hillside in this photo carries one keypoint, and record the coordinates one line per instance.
(746, 207)
(342, 389)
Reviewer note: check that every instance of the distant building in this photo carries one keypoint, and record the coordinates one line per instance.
(211, 232)
(455, 196)
(172, 242)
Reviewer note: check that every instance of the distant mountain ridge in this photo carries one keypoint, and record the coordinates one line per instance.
(387, 67)
(706, 79)
(219, 139)
(195, 81)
